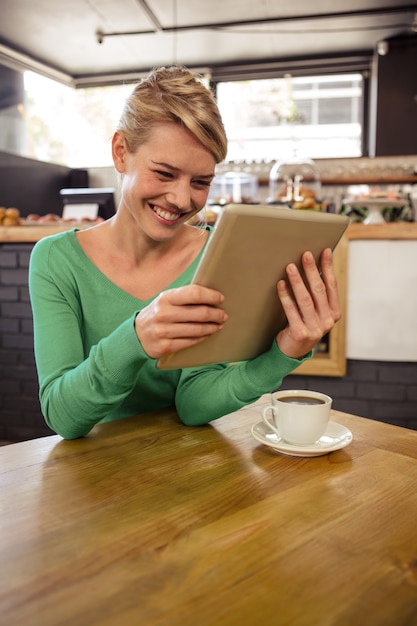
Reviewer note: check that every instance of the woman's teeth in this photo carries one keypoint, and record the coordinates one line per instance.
(166, 215)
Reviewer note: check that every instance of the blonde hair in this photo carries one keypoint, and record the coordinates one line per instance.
(173, 94)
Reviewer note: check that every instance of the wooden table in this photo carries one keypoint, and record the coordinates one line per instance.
(149, 522)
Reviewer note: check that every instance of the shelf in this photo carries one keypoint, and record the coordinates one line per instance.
(30, 234)
(395, 230)
(362, 180)
(371, 180)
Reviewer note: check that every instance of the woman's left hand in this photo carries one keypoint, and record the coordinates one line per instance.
(312, 305)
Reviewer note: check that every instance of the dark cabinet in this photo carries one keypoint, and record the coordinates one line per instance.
(395, 112)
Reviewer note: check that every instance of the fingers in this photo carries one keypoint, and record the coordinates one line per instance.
(179, 318)
(330, 281)
(187, 328)
(313, 295)
(310, 302)
(195, 294)
(317, 294)
(191, 304)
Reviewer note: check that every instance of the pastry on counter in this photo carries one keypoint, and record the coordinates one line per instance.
(9, 217)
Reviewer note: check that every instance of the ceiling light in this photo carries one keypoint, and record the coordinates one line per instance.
(382, 47)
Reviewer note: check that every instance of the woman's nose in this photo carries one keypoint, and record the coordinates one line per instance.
(180, 194)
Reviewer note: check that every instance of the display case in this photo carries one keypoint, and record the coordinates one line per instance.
(295, 183)
(236, 187)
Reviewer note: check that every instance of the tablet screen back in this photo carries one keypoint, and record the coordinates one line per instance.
(245, 257)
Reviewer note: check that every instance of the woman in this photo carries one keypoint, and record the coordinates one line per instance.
(110, 300)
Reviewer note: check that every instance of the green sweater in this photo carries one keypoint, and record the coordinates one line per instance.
(91, 365)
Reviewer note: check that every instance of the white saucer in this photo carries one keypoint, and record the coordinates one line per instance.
(335, 438)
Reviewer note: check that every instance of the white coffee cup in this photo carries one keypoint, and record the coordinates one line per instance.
(299, 416)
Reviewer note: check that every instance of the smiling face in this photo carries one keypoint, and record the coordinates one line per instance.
(166, 181)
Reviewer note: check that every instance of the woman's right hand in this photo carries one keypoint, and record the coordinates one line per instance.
(179, 318)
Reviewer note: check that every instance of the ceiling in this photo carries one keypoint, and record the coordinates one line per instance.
(82, 42)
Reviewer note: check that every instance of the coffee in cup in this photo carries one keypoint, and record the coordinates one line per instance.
(302, 400)
(298, 416)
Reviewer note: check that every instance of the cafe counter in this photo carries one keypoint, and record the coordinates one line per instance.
(381, 324)
(31, 234)
(381, 328)
(401, 231)
(20, 414)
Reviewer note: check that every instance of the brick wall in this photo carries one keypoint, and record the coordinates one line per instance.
(20, 416)
(383, 391)
(378, 390)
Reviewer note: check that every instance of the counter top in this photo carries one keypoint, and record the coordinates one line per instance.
(395, 230)
(147, 521)
(30, 234)
(399, 230)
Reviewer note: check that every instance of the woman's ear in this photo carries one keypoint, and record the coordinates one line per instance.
(119, 151)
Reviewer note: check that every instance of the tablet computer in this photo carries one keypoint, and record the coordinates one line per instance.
(246, 255)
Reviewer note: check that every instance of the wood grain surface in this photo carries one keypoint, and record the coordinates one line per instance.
(395, 230)
(147, 521)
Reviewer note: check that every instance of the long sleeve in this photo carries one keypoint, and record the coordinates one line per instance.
(81, 380)
(91, 365)
(208, 393)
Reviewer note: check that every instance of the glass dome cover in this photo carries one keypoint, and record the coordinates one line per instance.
(237, 187)
(295, 183)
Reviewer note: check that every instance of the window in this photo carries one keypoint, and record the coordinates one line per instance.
(70, 126)
(267, 118)
(45, 120)
(311, 116)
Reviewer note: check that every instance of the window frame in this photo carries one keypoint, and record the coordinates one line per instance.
(359, 64)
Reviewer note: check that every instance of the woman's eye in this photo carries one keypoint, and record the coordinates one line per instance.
(164, 174)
